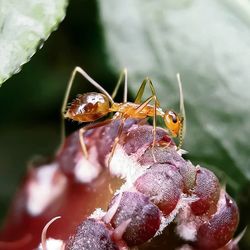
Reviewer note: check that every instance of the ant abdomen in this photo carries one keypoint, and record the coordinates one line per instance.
(88, 107)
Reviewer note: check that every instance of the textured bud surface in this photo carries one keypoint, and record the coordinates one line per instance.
(207, 189)
(149, 197)
(144, 215)
(160, 188)
(90, 235)
(220, 228)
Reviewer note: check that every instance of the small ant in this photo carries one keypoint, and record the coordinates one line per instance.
(91, 106)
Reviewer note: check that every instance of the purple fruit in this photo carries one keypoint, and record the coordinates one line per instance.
(219, 230)
(207, 189)
(162, 184)
(92, 235)
(144, 215)
(169, 155)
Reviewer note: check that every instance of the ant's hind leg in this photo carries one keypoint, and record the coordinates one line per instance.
(67, 92)
(87, 77)
(123, 74)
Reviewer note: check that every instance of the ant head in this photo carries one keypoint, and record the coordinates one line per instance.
(173, 122)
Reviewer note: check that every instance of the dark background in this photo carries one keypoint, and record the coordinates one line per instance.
(31, 100)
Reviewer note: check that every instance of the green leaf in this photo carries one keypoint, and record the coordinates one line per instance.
(24, 26)
(207, 42)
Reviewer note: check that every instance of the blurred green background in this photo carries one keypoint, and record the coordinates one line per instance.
(105, 36)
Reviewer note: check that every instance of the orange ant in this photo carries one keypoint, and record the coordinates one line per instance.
(91, 106)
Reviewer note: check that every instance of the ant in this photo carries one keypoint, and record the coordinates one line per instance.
(91, 106)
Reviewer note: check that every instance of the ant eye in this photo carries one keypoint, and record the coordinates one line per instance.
(172, 122)
(173, 116)
(174, 119)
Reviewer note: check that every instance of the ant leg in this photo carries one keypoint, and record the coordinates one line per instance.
(123, 74)
(143, 105)
(142, 89)
(83, 145)
(69, 86)
(86, 128)
(156, 101)
(116, 139)
(87, 77)
(182, 113)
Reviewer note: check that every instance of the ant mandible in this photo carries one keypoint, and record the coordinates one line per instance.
(91, 106)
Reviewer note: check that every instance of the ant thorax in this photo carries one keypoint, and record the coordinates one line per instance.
(88, 107)
(133, 110)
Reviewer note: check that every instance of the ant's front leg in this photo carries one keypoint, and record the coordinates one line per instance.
(144, 105)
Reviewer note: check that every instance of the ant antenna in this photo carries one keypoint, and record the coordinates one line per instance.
(182, 111)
